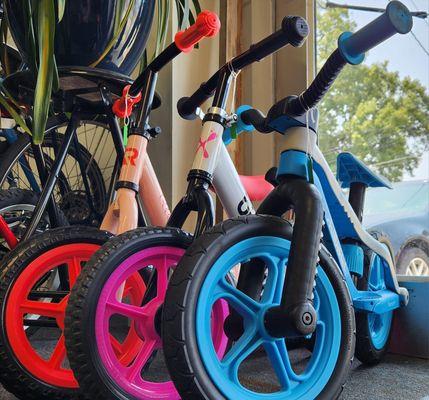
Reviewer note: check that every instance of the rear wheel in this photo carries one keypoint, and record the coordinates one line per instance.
(18, 170)
(34, 289)
(16, 207)
(257, 366)
(373, 330)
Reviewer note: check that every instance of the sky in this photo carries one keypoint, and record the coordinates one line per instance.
(403, 52)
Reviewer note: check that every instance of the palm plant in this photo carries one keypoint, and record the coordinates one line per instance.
(41, 18)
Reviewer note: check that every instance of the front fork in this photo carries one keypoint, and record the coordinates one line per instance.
(200, 178)
(295, 316)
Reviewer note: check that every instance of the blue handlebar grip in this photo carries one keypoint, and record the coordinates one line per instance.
(231, 133)
(396, 19)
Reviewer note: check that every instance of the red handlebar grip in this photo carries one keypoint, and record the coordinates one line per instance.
(123, 107)
(206, 25)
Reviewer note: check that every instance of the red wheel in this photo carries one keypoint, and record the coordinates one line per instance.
(21, 303)
(35, 289)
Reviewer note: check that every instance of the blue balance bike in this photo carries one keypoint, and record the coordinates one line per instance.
(322, 283)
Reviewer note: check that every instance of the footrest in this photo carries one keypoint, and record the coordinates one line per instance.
(377, 302)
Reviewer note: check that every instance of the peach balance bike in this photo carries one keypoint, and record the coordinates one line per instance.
(39, 273)
(94, 304)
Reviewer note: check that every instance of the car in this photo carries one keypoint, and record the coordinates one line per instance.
(402, 213)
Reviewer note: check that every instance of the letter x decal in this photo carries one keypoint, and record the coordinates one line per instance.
(203, 144)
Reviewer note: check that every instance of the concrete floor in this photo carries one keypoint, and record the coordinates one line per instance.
(398, 378)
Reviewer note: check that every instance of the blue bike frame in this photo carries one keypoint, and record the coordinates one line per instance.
(302, 157)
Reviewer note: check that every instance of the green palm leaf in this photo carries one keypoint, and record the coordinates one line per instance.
(45, 75)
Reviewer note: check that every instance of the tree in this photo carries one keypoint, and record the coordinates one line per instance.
(374, 113)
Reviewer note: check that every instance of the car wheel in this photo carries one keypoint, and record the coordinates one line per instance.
(413, 261)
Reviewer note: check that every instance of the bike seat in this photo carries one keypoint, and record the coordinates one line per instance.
(350, 169)
(256, 186)
(78, 85)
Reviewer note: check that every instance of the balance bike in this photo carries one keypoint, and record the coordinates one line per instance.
(296, 281)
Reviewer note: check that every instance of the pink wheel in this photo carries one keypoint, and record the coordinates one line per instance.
(105, 303)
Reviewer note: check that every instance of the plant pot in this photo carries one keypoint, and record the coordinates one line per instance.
(87, 28)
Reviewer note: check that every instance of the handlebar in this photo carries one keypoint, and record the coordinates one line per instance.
(351, 50)
(294, 31)
(206, 25)
(396, 19)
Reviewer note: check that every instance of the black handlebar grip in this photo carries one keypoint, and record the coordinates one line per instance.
(187, 106)
(396, 19)
(294, 31)
(297, 30)
(257, 119)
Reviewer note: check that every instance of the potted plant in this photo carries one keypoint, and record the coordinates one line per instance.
(108, 34)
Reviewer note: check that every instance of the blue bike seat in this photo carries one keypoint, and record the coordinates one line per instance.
(350, 169)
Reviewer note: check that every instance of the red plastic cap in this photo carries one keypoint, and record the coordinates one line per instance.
(206, 25)
(123, 107)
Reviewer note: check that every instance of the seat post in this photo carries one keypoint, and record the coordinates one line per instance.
(357, 198)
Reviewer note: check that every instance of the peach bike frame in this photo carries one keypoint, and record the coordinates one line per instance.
(122, 214)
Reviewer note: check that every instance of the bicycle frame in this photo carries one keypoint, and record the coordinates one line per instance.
(212, 166)
(48, 181)
(341, 221)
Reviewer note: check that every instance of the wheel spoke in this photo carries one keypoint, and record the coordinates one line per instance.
(316, 354)
(162, 279)
(275, 280)
(116, 345)
(316, 301)
(74, 269)
(278, 355)
(245, 346)
(127, 310)
(41, 308)
(140, 361)
(58, 355)
(243, 303)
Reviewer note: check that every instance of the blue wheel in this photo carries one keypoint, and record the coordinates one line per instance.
(373, 330)
(256, 365)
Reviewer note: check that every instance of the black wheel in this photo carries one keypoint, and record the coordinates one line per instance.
(95, 315)
(414, 259)
(16, 207)
(34, 289)
(18, 170)
(373, 330)
(257, 365)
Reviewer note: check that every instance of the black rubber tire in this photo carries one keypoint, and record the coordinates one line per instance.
(13, 376)
(15, 197)
(95, 177)
(407, 254)
(178, 328)
(365, 350)
(82, 350)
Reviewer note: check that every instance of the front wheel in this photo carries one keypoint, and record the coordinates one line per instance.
(98, 311)
(257, 365)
